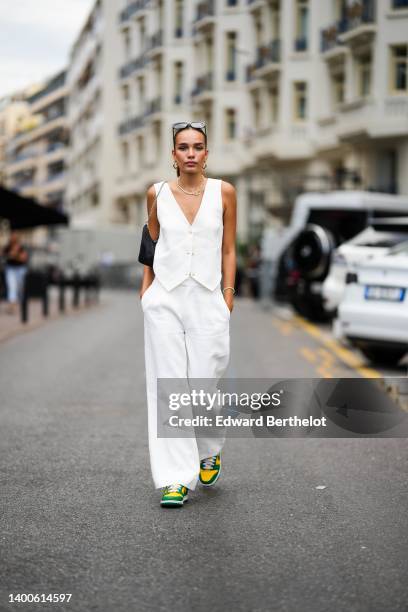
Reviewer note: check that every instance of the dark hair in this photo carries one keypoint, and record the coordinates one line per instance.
(189, 128)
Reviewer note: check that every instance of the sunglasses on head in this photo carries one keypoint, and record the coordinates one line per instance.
(182, 125)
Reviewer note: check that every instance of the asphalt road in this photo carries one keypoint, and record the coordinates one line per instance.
(80, 514)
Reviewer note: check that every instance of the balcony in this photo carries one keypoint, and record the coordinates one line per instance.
(154, 43)
(359, 24)
(131, 124)
(131, 9)
(255, 5)
(267, 60)
(203, 86)
(137, 64)
(153, 106)
(52, 179)
(329, 38)
(205, 16)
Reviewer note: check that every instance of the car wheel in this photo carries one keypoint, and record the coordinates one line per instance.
(383, 356)
(312, 251)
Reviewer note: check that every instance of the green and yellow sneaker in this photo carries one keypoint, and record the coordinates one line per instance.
(210, 470)
(174, 495)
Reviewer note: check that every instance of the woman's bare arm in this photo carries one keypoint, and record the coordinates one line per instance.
(229, 263)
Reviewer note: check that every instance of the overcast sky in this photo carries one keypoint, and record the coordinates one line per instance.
(35, 39)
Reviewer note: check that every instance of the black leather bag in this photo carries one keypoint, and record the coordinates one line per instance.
(147, 244)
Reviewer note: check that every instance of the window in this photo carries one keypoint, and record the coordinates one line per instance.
(232, 2)
(142, 35)
(302, 27)
(125, 93)
(300, 100)
(157, 138)
(141, 93)
(273, 93)
(340, 9)
(275, 19)
(178, 29)
(231, 56)
(178, 82)
(399, 68)
(127, 42)
(338, 83)
(140, 151)
(230, 124)
(257, 109)
(125, 156)
(364, 76)
(209, 53)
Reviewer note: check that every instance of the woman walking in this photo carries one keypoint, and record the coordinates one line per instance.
(186, 313)
(16, 258)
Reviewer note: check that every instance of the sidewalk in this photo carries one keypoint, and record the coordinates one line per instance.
(11, 325)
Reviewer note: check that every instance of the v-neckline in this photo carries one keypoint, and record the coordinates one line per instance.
(181, 210)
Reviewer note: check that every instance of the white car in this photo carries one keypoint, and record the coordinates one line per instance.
(373, 314)
(369, 243)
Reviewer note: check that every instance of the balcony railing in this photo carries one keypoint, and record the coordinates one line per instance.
(55, 83)
(28, 182)
(52, 178)
(153, 106)
(267, 54)
(357, 14)
(329, 37)
(205, 9)
(136, 64)
(54, 146)
(23, 156)
(360, 13)
(129, 125)
(203, 83)
(132, 8)
(156, 40)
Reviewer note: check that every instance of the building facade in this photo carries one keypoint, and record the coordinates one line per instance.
(92, 116)
(36, 156)
(297, 95)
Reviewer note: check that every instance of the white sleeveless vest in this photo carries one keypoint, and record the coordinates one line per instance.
(185, 249)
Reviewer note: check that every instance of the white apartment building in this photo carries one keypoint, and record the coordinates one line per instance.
(93, 114)
(179, 63)
(13, 110)
(297, 95)
(329, 99)
(36, 154)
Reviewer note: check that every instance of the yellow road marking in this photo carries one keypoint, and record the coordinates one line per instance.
(342, 353)
(285, 327)
(308, 354)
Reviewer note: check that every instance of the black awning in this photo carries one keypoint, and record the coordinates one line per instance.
(26, 212)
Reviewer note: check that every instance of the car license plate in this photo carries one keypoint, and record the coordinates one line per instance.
(391, 294)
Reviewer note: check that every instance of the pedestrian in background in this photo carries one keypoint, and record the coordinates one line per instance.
(186, 313)
(16, 258)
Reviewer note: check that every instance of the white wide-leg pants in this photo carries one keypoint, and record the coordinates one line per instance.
(186, 335)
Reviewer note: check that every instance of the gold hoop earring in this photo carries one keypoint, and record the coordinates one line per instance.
(175, 166)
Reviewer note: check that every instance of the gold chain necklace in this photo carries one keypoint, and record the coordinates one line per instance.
(195, 193)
